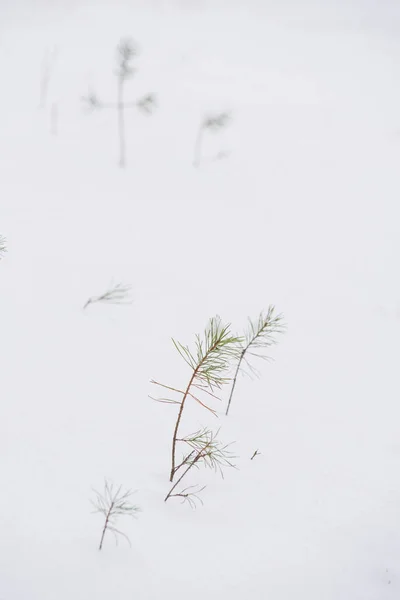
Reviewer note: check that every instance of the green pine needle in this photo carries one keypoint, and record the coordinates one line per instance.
(212, 355)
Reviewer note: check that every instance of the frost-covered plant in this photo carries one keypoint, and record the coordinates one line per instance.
(126, 52)
(209, 364)
(204, 449)
(117, 294)
(3, 246)
(259, 336)
(114, 503)
(214, 124)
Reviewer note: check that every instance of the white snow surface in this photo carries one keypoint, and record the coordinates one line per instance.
(303, 213)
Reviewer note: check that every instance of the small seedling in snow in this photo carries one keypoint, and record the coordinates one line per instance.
(3, 246)
(260, 335)
(118, 294)
(256, 453)
(204, 450)
(209, 364)
(126, 52)
(112, 504)
(214, 124)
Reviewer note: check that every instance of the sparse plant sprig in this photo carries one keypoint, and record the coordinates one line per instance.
(206, 451)
(113, 503)
(209, 363)
(147, 104)
(117, 294)
(213, 454)
(260, 333)
(190, 495)
(259, 336)
(92, 101)
(213, 123)
(126, 51)
(217, 121)
(3, 246)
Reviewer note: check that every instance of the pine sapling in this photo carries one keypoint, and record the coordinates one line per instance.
(126, 52)
(260, 335)
(214, 124)
(209, 364)
(112, 504)
(117, 294)
(204, 450)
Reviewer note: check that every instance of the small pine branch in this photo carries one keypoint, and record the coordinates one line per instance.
(208, 451)
(213, 454)
(147, 104)
(209, 363)
(114, 503)
(212, 356)
(214, 124)
(118, 294)
(190, 495)
(126, 52)
(255, 453)
(3, 246)
(217, 121)
(259, 336)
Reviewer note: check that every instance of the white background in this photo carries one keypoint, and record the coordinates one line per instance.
(303, 213)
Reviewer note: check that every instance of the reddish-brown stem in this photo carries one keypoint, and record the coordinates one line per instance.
(106, 525)
(185, 395)
(199, 455)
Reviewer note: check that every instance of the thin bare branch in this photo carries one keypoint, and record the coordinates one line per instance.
(191, 497)
(213, 123)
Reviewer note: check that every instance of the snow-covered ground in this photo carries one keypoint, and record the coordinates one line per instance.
(302, 213)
